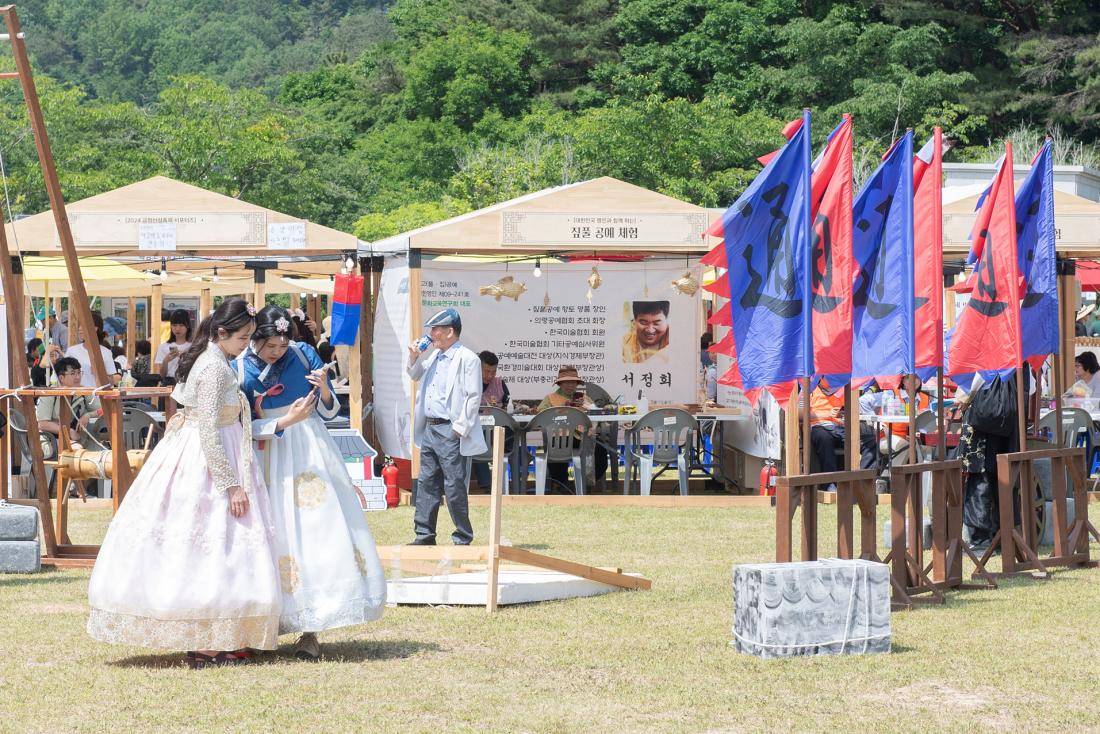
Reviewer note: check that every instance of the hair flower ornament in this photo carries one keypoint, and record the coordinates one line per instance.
(251, 309)
(282, 325)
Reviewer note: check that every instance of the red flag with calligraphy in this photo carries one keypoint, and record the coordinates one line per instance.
(987, 338)
(928, 254)
(834, 269)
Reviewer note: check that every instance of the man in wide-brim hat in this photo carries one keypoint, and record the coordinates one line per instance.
(568, 394)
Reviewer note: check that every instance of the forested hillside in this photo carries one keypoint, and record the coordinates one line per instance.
(380, 116)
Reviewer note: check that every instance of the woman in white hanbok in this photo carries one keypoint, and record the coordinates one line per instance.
(189, 561)
(329, 568)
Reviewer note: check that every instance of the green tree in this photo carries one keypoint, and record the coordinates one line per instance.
(469, 71)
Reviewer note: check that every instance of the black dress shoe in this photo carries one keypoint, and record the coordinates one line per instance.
(423, 541)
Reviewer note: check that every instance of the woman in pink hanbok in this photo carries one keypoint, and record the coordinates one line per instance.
(189, 562)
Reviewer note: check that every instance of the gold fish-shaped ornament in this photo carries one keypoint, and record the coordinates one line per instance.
(506, 287)
(594, 280)
(686, 284)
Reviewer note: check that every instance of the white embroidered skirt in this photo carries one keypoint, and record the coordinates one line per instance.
(328, 564)
(176, 569)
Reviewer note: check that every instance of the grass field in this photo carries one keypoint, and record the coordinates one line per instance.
(1023, 657)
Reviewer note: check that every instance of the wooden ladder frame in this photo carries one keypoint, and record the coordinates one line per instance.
(426, 558)
(56, 551)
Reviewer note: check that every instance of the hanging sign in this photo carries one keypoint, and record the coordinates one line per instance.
(157, 236)
(635, 334)
(642, 230)
(286, 235)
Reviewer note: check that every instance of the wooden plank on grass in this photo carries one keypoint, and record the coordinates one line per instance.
(521, 555)
(433, 552)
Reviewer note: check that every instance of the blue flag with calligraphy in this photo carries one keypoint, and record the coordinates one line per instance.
(884, 343)
(767, 238)
(1038, 265)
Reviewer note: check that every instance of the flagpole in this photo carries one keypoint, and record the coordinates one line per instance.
(806, 447)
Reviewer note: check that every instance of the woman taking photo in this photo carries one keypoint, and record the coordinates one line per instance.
(188, 562)
(170, 353)
(330, 572)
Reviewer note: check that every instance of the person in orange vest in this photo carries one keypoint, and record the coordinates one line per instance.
(827, 429)
(896, 447)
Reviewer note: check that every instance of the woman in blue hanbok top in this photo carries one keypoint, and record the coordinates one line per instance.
(329, 568)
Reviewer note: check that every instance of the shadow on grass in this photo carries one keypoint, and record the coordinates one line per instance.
(35, 579)
(533, 546)
(335, 652)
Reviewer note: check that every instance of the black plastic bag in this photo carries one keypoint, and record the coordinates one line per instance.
(993, 408)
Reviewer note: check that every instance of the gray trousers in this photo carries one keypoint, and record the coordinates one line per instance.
(443, 471)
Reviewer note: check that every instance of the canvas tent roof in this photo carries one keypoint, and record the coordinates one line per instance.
(571, 218)
(1077, 222)
(206, 223)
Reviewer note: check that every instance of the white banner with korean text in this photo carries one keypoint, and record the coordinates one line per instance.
(631, 328)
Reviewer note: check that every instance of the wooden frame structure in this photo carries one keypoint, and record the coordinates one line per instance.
(1019, 550)
(57, 552)
(490, 557)
(853, 488)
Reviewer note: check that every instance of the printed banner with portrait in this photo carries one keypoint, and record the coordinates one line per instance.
(631, 328)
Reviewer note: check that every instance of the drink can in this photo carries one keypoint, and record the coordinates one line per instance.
(423, 343)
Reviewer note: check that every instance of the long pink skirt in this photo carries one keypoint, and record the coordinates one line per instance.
(176, 569)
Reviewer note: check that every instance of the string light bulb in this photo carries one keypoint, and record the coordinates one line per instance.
(537, 272)
(216, 277)
(163, 270)
(349, 263)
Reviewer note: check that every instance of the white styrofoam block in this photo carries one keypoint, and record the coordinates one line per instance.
(513, 587)
(824, 607)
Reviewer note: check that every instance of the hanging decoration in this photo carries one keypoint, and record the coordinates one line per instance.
(346, 305)
(594, 282)
(546, 298)
(687, 284)
(506, 287)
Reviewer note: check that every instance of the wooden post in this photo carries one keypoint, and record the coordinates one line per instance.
(912, 394)
(312, 309)
(495, 501)
(373, 282)
(355, 371)
(78, 295)
(295, 301)
(156, 305)
(206, 303)
(259, 288)
(131, 329)
(792, 458)
(851, 429)
(1067, 302)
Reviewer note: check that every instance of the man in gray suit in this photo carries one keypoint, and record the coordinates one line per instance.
(446, 426)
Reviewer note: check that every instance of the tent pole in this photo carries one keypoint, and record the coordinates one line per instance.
(415, 329)
(156, 305)
(806, 448)
(131, 329)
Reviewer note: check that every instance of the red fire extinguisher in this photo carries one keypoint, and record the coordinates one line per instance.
(389, 477)
(769, 473)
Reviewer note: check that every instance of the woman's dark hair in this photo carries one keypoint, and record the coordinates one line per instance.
(267, 324)
(232, 316)
(181, 317)
(325, 352)
(117, 351)
(1088, 362)
(305, 334)
(33, 345)
(100, 334)
(143, 347)
(488, 358)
